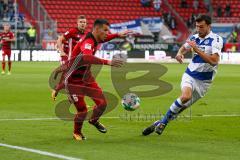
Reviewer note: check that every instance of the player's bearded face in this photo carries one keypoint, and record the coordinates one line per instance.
(202, 28)
(103, 31)
(82, 23)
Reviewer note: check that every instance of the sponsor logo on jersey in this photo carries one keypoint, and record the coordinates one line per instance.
(88, 46)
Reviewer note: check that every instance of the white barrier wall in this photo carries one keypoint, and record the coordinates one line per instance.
(158, 56)
(230, 58)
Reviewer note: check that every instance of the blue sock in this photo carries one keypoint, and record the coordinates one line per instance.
(172, 113)
(168, 116)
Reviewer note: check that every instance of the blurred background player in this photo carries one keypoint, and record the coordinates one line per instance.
(66, 43)
(199, 74)
(69, 39)
(6, 38)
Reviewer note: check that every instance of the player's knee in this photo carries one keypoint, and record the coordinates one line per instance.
(185, 97)
(82, 109)
(102, 103)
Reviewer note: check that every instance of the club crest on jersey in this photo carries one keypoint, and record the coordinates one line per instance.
(87, 46)
(206, 41)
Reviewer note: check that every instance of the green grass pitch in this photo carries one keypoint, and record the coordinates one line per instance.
(26, 94)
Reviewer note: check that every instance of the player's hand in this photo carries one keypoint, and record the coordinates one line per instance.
(192, 44)
(179, 58)
(62, 54)
(125, 33)
(194, 47)
(54, 95)
(116, 63)
(6, 39)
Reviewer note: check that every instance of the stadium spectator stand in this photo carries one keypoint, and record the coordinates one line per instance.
(186, 12)
(234, 15)
(66, 11)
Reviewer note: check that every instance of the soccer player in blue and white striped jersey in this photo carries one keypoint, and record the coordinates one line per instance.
(199, 74)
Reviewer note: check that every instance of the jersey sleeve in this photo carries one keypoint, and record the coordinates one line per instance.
(217, 45)
(91, 59)
(11, 35)
(67, 35)
(76, 50)
(110, 37)
(87, 47)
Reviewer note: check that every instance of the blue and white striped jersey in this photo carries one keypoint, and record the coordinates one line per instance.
(198, 68)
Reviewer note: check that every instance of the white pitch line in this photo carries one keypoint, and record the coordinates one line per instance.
(39, 152)
(227, 115)
(42, 119)
(55, 118)
(29, 119)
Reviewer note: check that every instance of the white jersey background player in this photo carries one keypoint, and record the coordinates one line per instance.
(199, 74)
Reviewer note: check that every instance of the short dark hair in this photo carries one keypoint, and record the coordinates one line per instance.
(81, 17)
(100, 22)
(205, 18)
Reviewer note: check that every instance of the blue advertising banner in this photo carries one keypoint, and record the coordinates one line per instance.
(224, 30)
(154, 23)
(134, 25)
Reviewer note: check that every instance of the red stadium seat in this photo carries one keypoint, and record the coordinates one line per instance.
(65, 12)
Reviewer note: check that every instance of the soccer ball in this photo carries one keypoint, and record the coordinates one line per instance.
(130, 102)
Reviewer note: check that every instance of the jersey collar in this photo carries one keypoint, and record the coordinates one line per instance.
(95, 41)
(208, 35)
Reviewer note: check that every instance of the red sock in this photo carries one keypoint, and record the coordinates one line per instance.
(9, 66)
(3, 66)
(78, 122)
(98, 109)
(77, 127)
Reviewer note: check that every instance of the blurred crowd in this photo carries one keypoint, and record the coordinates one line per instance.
(149, 3)
(7, 12)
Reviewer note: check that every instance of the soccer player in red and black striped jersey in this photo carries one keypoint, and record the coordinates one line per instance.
(79, 81)
(6, 38)
(69, 39)
(67, 42)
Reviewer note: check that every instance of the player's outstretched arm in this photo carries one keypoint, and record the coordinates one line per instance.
(91, 59)
(60, 45)
(180, 55)
(116, 63)
(121, 34)
(125, 33)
